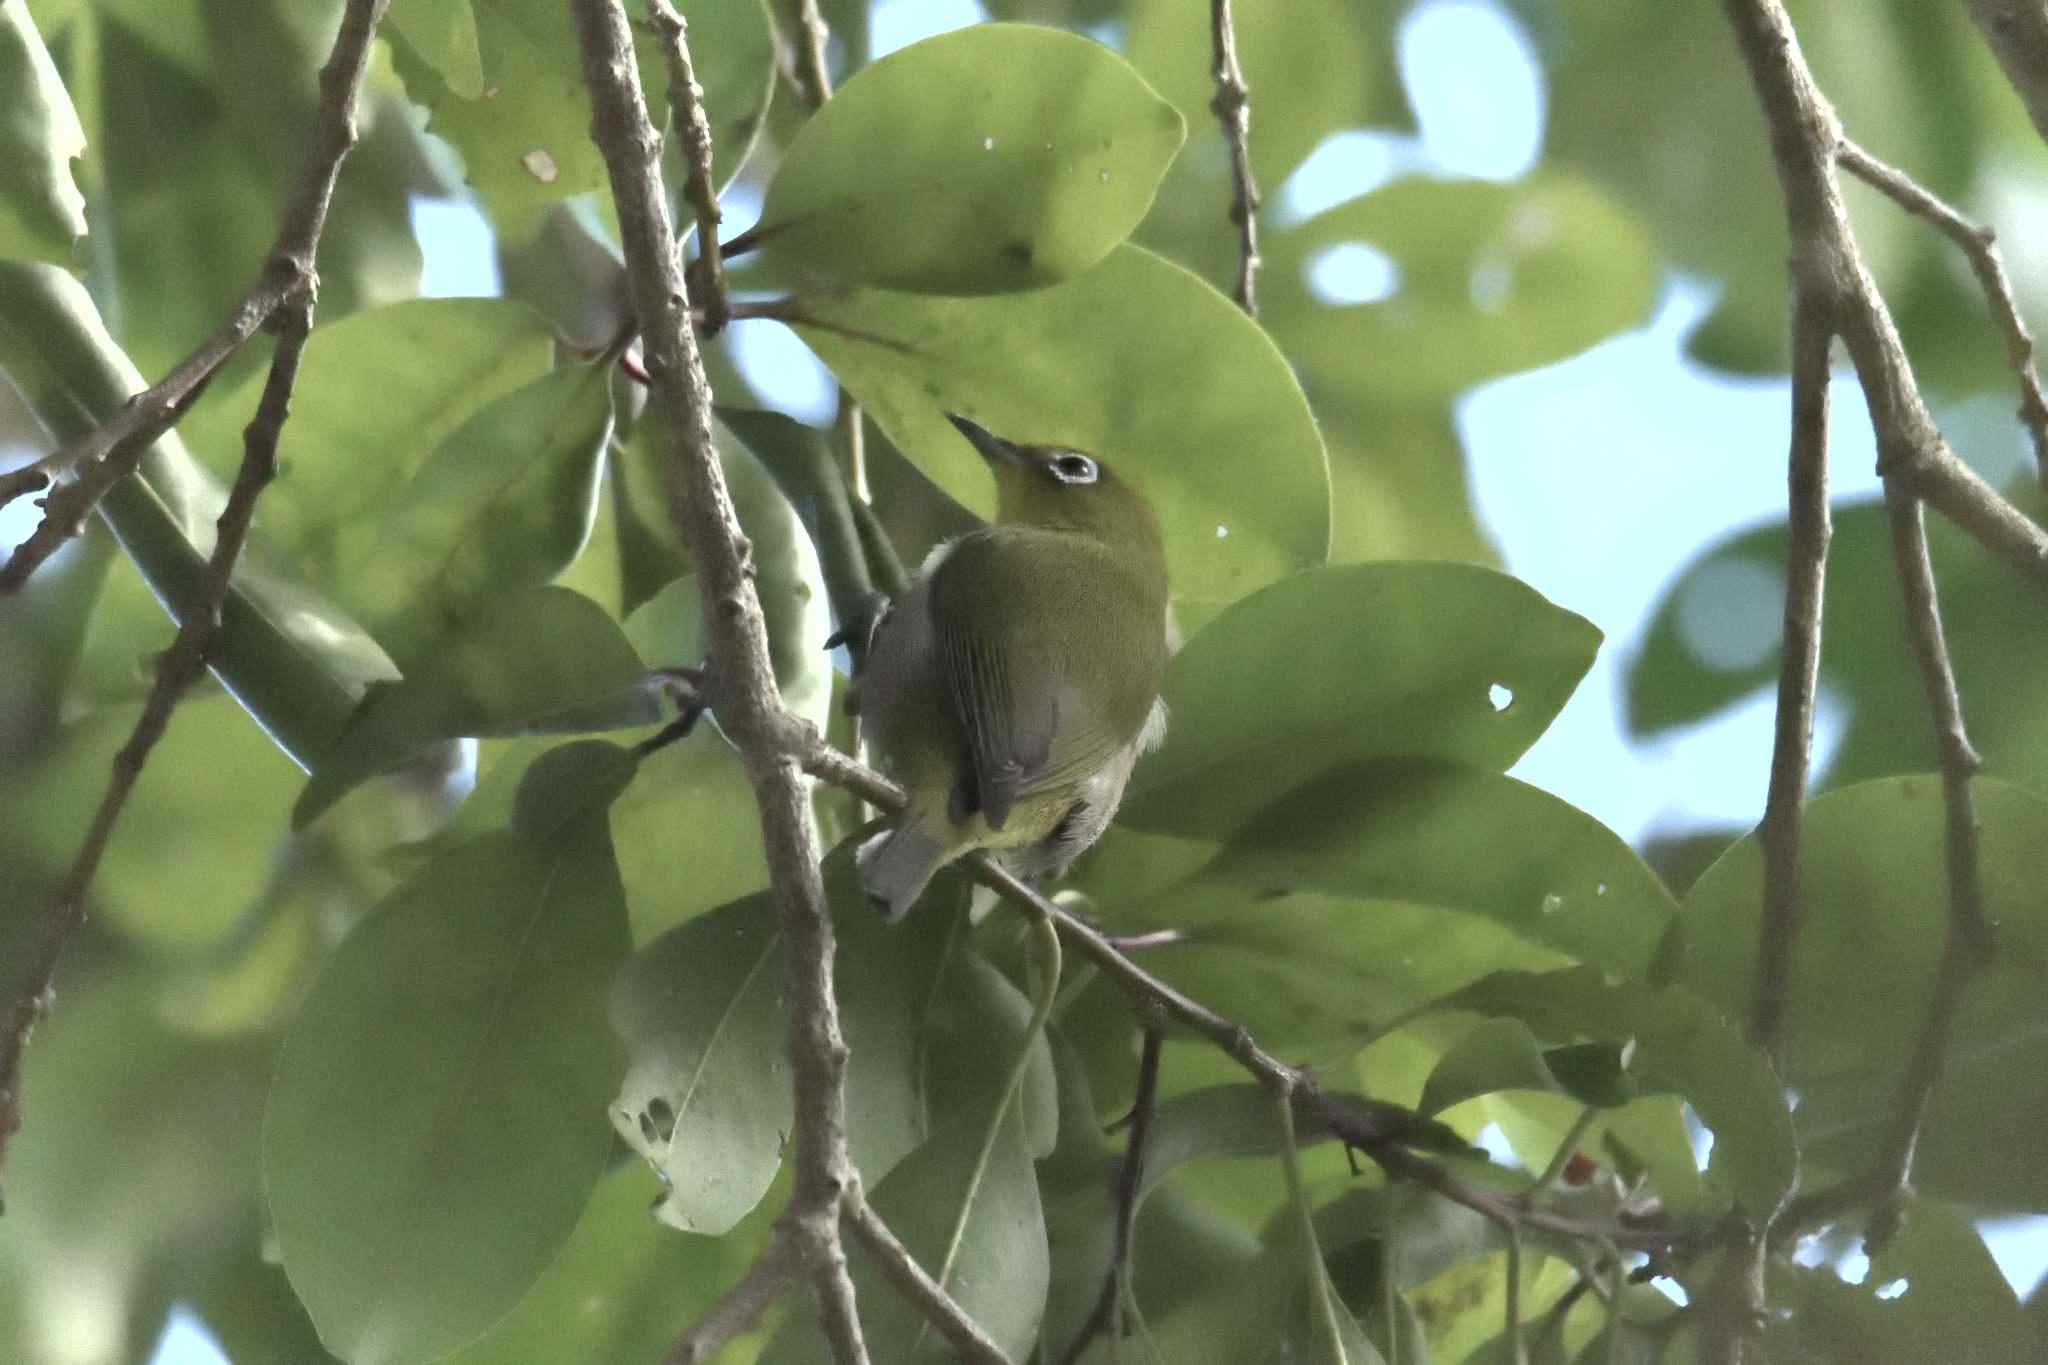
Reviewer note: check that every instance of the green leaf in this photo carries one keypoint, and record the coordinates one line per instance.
(1715, 638)
(705, 1099)
(42, 214)
(1501, 1054)
(1683, 1046)
(623, 1289)
(1358, 897)
(378, 392)
(1027, 181)
(1932, 1293)
(787, 574)
(293, 659)
(1431, 660)
(1493, 279)
(505, 502)
(963, 1200)
(524, 131)
(450, 1067)
(977, 1023)
(702, 1012)
(1333, 1336)
(137, 1157)
(487, 679)
(1055, 365)
(198, 843)
(1874, 882)
(443, 34)
(199, 113)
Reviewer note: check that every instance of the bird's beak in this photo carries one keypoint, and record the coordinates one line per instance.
(993, 448)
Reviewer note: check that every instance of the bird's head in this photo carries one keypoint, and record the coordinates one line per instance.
(1060, 488)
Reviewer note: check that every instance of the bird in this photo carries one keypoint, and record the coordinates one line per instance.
(1013, 684)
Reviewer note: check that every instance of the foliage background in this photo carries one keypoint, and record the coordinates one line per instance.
(1414, 270)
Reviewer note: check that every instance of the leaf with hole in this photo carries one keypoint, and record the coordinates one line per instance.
(502, 82)
(42, 214)
(1327, 669)
(1357, 898)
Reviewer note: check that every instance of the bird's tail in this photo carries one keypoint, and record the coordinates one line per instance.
(896, 864)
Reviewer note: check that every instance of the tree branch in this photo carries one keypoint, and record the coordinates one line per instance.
(1980, 247)
(1799, 671)
(1969, 936)
(1829, 275)
(2017, 33)
(741, 1306)
(700, 188)
(1805, 138)
(1232, 107)
(749, 706)
(284, 299)
(973, 1345)
(1382, 1134)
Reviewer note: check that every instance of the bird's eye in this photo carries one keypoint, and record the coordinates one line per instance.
(1074, 468)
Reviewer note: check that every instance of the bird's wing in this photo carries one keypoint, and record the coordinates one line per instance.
(1026, 725)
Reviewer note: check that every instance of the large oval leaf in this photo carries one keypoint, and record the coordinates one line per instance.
(199, 838)
(505, 502)
(1137, 361)
(1047, 155)
(489, 679)
(1361, 896)
(1364, 661)
(1491, 279)
(706, 1100)
(42, 214)
(296, 661)
(378, 392)
(437, 1122)
(1874, 880)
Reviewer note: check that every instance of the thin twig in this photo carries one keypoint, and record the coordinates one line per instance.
(700, 188)
(289, 285)
(749, 707)
(813, 78)
(1980, 247)
(740, 1307)
(1232, 107)
(1969, 936)
(973, 1345)
(1382, 1134)
(1806, 561)
(1130, 1183)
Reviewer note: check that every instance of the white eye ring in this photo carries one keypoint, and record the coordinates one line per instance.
(1074, 467)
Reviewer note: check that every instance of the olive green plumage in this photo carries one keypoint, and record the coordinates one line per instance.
(1012, 686)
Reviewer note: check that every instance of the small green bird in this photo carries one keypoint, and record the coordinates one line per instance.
(1013, 685)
